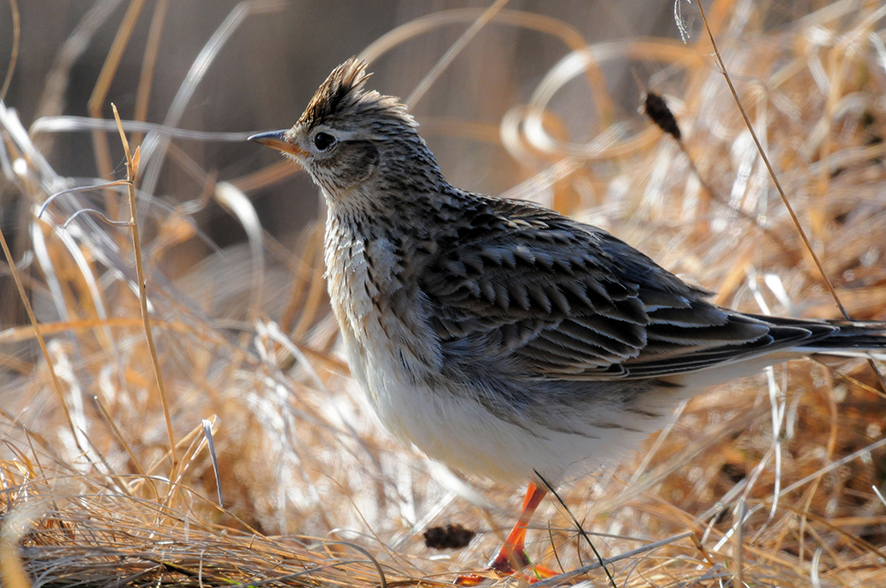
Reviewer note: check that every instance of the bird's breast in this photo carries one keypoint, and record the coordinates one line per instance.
(385, 331)
(361, 275)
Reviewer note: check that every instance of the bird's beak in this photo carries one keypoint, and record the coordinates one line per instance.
(277, 140)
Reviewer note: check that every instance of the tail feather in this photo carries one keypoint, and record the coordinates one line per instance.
(784, 339)
(787, 339)
(853, 339)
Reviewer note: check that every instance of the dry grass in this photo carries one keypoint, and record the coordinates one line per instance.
(775, 476)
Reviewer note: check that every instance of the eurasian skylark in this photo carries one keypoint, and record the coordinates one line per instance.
(498, 336)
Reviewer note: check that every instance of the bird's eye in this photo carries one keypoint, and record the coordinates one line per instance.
(323, 141)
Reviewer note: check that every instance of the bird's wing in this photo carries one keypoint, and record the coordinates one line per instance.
(567, 300)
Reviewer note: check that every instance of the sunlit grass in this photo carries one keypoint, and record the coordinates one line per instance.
(773, 474)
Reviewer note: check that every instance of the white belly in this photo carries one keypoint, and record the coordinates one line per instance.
(464, 435)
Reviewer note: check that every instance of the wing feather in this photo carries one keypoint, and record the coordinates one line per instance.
(560, 299)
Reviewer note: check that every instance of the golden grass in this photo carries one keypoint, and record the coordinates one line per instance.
(774, 477)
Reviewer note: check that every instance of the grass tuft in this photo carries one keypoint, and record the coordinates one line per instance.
(771, 480)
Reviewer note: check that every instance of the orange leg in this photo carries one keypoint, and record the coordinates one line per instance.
(512, 556)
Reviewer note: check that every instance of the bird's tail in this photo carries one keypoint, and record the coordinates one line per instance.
(852, 339)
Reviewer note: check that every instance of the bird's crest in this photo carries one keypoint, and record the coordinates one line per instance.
(342, 95)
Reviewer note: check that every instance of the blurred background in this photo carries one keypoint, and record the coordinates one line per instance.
(268, 68)
(535, 99)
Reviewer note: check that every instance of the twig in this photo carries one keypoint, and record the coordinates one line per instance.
(604, 562)
(56, 383)
(778, 187)
(149, 62)
(657, 110)
(739, 542)
(120, 439)
(101, 89)
(600, 561)
(13, 54)
(131, 174)
(210, 442)
(447, 58)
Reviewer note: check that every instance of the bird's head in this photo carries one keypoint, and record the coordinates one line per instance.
(348, 137)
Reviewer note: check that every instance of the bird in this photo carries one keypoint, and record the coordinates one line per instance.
(498, 336)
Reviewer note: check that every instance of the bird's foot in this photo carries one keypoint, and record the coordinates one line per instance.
(530, 573)
(503, 565)
(470, 580)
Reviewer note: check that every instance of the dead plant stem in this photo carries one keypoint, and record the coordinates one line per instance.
(131, 173)
(778, 187)
(56, 383)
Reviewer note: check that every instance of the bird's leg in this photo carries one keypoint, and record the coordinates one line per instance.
(512, 556)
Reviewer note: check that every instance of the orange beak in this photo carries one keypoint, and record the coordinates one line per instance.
(277, 140)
